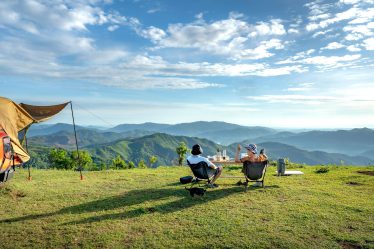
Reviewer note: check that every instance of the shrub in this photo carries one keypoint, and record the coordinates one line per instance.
(322, 170)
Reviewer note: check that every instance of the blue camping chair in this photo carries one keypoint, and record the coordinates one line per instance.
(254, 172)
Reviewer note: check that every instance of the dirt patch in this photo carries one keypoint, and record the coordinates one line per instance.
(15, 194)
(349, 245)
(354, 183)
(365, 172)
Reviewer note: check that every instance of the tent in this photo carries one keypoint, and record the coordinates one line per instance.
(15, 119)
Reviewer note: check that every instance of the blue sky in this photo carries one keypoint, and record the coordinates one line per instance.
(286, 63)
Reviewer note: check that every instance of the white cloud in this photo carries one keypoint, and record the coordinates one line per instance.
(360, 20)
(359, 15)
(333, 45)
(280, 71)
(323, 62)
(293, 31)
(275, 27)
(359, 29)
(369, 44)
(355, 1)
(349, 1)
(113, 27)
(354, 37)
(353, 48)
(322, 33)
(330, 60)
(262, 50)
(233, 37)
(153, 33)
(341, 100)
(151, 11)
(318, 17)
(302, 87)
(293, 98)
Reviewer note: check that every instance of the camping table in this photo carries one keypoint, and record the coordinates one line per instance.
(226, 163)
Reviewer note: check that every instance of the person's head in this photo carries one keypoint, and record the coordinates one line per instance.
(251, 149)
(196, 150)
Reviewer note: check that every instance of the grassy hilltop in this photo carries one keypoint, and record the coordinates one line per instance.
(147, 208)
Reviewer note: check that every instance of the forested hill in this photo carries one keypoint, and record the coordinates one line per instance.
(163, 146)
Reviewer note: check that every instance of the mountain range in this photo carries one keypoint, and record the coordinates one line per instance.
(134, 142)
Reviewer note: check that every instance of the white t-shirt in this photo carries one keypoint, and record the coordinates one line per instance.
(196, 159)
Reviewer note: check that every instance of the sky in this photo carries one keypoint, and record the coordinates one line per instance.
(284, 63)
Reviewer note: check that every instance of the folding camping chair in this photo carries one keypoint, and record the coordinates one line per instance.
(202, 172)
(254, 172)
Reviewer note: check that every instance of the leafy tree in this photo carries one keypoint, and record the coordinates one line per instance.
(181, 151)
(118, 163)
(102, 166)
(94, 167)
(141, 164)
(152, 160)
(59, 159)
(131, 165)
(38, 160)
(84, 161)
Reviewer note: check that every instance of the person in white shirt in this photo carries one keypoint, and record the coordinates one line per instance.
(196, 157)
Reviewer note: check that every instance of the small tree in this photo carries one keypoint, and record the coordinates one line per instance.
(141, 164)
(59, 159)
(181, 151)
(131, 165)
(152, 160)
(118, 163)
(84, 161)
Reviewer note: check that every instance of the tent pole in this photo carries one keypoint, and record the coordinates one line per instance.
(28, 165)
(76, 140)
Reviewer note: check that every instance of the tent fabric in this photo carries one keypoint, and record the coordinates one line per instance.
(43, 113)
(14, 118)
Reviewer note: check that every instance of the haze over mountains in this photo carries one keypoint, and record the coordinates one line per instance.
(136, 141)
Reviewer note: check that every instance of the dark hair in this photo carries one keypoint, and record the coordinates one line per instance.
(196, 150)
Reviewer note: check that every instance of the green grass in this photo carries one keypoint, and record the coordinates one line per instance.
(150, 209)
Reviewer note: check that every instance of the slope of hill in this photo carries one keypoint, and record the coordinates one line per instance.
(46, 129)
(219, 132)
(159, 144)
(199, 127)
(229, 136)
(106, 146)
(66, 139)
(368, 153)
(145, 126)
(277, 150)
(350, 142)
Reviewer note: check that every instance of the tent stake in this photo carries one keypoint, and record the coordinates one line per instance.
(28, 165)
(76, 140)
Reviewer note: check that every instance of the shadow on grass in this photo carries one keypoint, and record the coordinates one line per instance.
(136, 197)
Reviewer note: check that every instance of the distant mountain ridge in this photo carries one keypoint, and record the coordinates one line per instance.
(163, 146)
(350, 142)
(219, 132)
(355, 142)
(149, 126)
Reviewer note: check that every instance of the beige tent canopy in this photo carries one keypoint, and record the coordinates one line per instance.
(15, 118)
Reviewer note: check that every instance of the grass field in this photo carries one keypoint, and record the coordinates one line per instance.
(148, 208)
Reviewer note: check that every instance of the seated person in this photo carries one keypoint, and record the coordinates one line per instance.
(251, 154)
(196, 158)
(250, 157)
